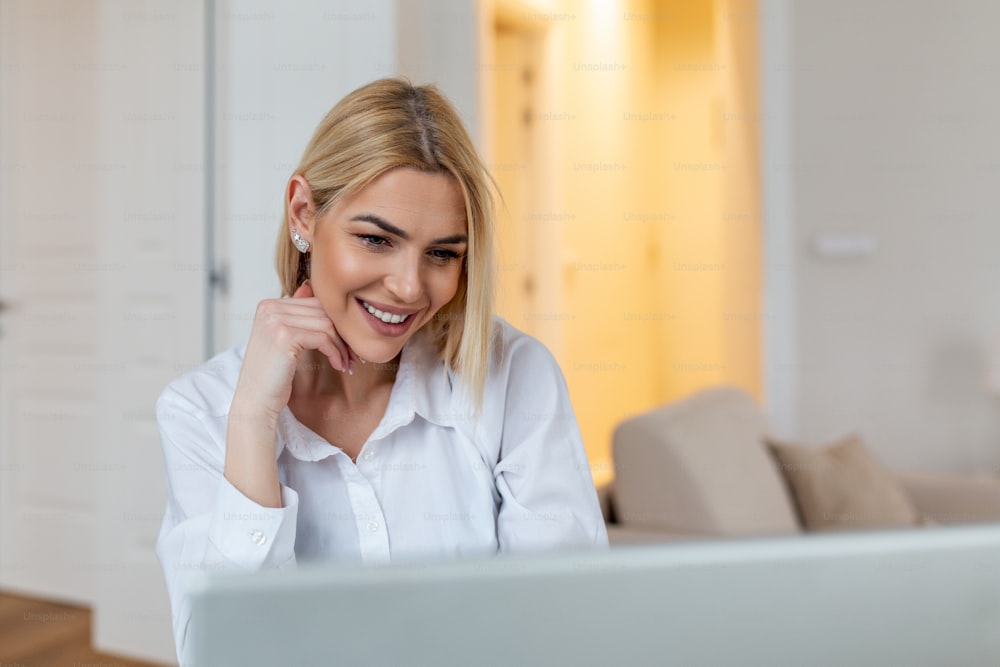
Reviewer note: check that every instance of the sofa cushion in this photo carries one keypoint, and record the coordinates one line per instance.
(953, 498)
(843, 487)
(701, 466)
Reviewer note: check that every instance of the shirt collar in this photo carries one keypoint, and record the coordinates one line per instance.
(422, 387)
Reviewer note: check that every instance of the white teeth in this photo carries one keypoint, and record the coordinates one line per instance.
(388, 318)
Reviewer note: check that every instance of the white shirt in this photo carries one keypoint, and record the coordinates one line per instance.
(429, 483)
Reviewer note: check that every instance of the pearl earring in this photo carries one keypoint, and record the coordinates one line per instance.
(300, 242)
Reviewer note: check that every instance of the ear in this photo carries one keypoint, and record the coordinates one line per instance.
(300, 206)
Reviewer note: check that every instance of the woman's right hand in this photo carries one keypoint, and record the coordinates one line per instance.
(283, 330)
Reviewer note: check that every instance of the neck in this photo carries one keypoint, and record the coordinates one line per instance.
(355, 390)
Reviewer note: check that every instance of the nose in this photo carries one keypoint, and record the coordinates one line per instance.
(404, 281)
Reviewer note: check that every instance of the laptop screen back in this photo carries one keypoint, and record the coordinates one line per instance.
(919, 597)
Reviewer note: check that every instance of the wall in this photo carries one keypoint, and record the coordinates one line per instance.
(103, 223)
(280, 70)
(150, 107)
(438, 41)
(887, 117)
(51, 272)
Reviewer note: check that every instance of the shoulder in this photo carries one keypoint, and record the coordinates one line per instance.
(208, 388)
(523, 382)
(521, 368)
(513, 350)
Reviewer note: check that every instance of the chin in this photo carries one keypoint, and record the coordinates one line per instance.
(378, 354)
(380, 350)
(381, 357)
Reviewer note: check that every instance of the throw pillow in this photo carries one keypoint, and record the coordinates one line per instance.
(843, 487)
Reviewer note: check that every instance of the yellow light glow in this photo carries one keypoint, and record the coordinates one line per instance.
(634, 236)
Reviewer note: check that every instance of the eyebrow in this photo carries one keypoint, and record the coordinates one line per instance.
(387, 226)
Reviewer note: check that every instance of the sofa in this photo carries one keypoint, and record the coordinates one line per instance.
(705, 467)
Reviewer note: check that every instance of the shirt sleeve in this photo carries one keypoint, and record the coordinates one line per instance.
(548, 498)
(209, 524)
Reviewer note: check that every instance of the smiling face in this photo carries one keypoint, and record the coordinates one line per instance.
(385, 260)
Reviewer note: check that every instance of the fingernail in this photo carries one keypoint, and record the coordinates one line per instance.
(350, 368)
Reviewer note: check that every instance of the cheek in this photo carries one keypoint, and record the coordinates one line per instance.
(339, 268)
(329, 261)
(447, 286)
(331, 280)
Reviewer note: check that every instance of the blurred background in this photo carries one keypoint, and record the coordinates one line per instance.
(796, 198)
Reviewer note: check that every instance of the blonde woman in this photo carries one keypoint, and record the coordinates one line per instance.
(379, 411)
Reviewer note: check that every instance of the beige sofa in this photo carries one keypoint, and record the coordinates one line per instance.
(700, 468)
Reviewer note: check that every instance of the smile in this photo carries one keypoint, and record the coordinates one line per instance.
(388, 318)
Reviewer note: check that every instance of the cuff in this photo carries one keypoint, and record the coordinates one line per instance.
(250, 535)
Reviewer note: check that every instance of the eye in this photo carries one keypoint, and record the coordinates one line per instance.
(443, 256)
(373, 240)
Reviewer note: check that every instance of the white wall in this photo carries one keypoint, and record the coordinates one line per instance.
(889, 116)
(51, 275)
(439, 43)
(102, 218)
(280, 69)
(779, 317)
(150, 111)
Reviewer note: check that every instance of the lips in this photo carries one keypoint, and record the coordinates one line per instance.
(387, 322)
(386, 314)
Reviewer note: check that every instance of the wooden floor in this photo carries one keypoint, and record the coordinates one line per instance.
(37, 633)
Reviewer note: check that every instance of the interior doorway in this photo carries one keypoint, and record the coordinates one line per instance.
(624, 138)
(513, 162)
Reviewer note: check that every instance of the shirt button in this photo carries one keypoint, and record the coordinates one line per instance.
(259, 538)
(368, 455)
(372, 526)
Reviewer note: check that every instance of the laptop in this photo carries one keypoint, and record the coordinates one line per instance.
(914, 597)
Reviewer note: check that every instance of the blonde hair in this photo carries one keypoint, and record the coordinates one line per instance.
(388, 124)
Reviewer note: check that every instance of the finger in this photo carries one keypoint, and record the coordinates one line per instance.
(313, 307)
(323, 343)
(345, 353)
(308, 322)
(290, 307)
(349, 355)
(303, 291)
(345, 359)
(315, 333)
(334, 346)
(307, 301)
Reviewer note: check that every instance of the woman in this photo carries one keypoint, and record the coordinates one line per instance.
(379, 411)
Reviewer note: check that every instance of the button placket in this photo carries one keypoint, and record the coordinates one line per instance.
(370, 520)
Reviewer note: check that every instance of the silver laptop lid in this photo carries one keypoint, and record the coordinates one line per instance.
(918, 597)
